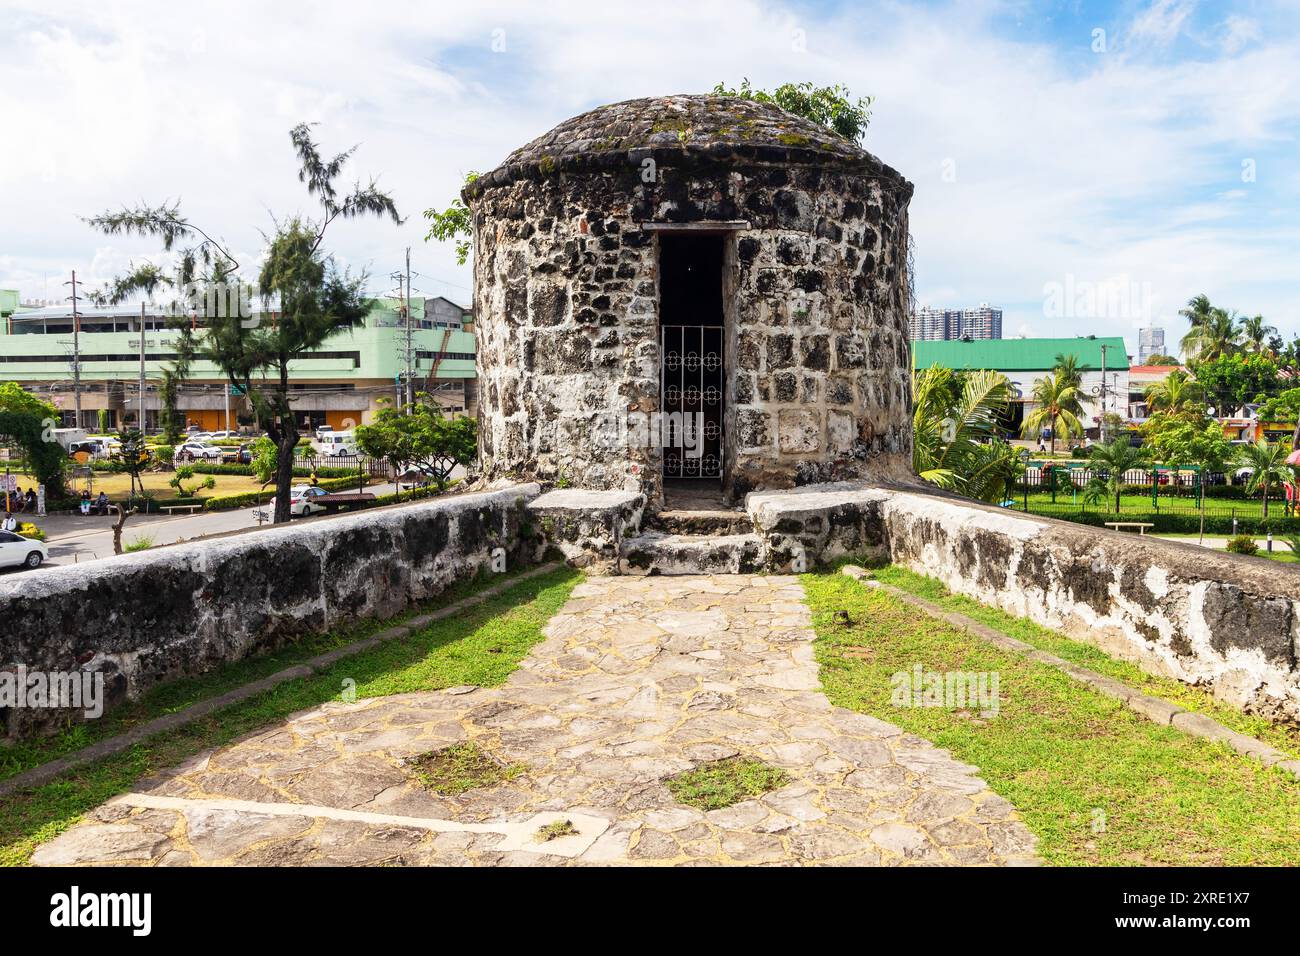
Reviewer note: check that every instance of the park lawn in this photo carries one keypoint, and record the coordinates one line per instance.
(1041, 503)
(117, 485)
(1097, 783)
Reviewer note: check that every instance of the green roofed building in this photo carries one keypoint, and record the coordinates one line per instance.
(341, 384)
(1025, 361)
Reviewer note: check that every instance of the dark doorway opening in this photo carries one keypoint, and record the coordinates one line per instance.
(692, 374)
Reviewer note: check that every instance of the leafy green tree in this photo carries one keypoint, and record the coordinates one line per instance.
(954, 432)
(304, 297)
(831, 106)
(1108, 464)
(1230, 381)
(131, 456)
(422, 437)
(198, 280)
(1268, 467)
(1058, 405)
(1163, 360)
(453, 224)
(28, 423)
(1180, 440)
(1283, 407)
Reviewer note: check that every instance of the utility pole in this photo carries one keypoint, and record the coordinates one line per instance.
(141, 423)
(406, 309)
(1103, 393)
(76, 349)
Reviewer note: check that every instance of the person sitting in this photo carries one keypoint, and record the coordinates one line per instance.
(101, 504)
(10, 523)
(31, 500)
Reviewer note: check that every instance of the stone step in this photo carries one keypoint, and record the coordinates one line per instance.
(657, 553)
(701, 522)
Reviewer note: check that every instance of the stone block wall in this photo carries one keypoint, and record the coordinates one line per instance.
(815, 295)
(141, 619)
(1210, 618)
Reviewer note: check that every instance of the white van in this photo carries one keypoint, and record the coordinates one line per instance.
(335, 445)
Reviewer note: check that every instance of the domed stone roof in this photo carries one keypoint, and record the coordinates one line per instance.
(683, 127)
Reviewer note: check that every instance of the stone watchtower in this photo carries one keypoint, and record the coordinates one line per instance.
(692, 292)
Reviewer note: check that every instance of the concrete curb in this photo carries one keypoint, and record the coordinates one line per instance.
(112, 745)
(1155, 709)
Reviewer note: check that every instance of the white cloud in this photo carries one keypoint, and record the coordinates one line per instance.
(1162, 22)
(1126, 165)
(1236, 32)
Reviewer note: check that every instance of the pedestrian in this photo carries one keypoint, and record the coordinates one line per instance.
(31, 500)
(10, 523)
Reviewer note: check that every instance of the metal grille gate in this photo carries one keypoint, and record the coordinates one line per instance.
(691, 380)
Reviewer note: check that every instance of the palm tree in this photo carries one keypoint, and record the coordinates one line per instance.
(1177, 395)
(1215, 335)
(1112, 460)
(1069, 365)
(1268, 467)
(953, 417)
(1057, 397)
(1255, 333)
(1198, 309)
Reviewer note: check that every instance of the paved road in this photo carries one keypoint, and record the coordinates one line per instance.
(75, 538)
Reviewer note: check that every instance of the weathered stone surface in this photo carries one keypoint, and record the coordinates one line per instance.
(182, 610)
(329, 787)
(567, 296)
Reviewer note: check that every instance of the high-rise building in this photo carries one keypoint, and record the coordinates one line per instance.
(984, 322)
(935, 325)
(940, 325)
(1151, 341)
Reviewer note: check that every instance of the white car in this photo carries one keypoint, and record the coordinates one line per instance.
(197, 451)
(19, 552)
(305, 500)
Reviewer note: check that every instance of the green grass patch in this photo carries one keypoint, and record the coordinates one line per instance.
(1283, 737)
(179, 694)
(720, 783)
(479, 646)
(454, 770)
(553, 831)
(1097, 783)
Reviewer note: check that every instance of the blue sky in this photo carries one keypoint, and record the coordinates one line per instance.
(1141, 170)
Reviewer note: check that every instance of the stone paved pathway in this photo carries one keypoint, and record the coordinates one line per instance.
(638, 679)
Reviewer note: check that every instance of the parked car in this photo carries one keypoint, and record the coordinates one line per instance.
(197, 451)
(243, 455)
(305, 500)
(19, 552)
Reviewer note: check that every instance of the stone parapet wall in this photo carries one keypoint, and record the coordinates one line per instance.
(1223, 621)
(588, 528)
(142, 619)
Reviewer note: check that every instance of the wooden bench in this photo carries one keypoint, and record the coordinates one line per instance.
(1121, 525)
(188, 509)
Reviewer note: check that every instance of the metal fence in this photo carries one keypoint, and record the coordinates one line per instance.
(1059, 491)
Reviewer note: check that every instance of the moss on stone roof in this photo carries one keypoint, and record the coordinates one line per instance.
(681, 127)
